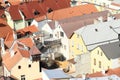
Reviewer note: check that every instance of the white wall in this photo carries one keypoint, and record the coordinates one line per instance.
(64, 41)
(115, 63)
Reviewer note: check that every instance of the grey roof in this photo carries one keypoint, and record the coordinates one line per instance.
(111, 50)
(95, 15)
(55, 73)
(69, 25)
(97, 34)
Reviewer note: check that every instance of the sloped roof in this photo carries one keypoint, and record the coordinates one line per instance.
(34, 50)
(13, 10)
(4, 29)
(56, 74)
(31, 29)
(69, 25)
(72, 11)
(111, 50)
(96, 15)
(9, 61)
(19, 53)
(108, 72)
(27, 41)
(101, 31)
(28, 8)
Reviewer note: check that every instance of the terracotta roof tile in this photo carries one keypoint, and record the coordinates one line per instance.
(69, 28)
(9, 37)
(14, 2)
(10, 61)
(72, 11)
(4, 29)
(69, 25)
(13, 10)
(24, 53)
(28, 8)
(115, 71)
(27, 41)
(34, 50)
(31, 29)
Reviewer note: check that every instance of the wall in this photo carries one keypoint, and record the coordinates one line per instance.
(9, 20)
(77, 45)
(99, 55)
(64, 40)
(5, 71)
(29, 72)
(115, 63)
(19, 24)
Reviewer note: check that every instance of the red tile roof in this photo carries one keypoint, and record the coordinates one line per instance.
(115, 71)
(10, 61)
(27, 41)
(72, 11)
(14, 2)
(34, 50)
(31, 29)
(13, 10)
(4, 29)
(28, 8)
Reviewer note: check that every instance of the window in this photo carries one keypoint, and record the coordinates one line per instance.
(93, 71)
(15, 52)
(61, 34)
(29, 65)
(64, 47)
(78, 46)
(98, 52)
(22, 77)
(36, 12)
(94, 61)
(19, 67)
(29, 23)
(72, 43)
(101, 53)
(99, 64)
(50, 10)
(77, 35)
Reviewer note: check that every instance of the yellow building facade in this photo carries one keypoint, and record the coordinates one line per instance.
(77, 45)
(99, 61)
(26, 69)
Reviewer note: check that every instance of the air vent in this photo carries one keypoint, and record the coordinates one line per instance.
(96, 30)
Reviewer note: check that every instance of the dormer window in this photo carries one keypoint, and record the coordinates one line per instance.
(50, 10)
(36, 12)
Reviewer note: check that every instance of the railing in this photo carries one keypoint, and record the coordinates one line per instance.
(52, 42)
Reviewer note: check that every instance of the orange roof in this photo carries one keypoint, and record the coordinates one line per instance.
(72, 11)
(28, 8)
(40, 18)
(4, 29)
(14, 2)
(10, 61)
(115, 71)
(9, 37)
(31, 29)
(27, 41)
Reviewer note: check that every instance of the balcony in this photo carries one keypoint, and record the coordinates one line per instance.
(52, 42)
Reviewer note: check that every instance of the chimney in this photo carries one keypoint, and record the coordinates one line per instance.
(56, 24)
(2, 46)
(11, 48)
(103, 72)
(83, 76)
(14, 36)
